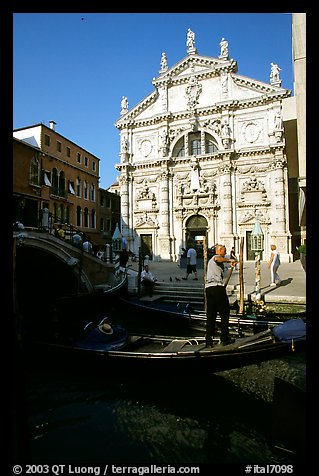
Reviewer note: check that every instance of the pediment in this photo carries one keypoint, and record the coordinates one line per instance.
(198, 65)
(213, 75)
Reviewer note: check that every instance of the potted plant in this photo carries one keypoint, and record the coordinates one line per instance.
(302, 252)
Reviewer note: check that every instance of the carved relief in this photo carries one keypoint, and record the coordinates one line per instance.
(224, 83)
(146, 220)
(214, 125)
(251, 215)
(253, 191)
(193, 90)
(251, 132)
(145, 199)
(145, 193)
(145, 147)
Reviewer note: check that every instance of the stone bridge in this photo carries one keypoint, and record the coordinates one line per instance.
(45, 252)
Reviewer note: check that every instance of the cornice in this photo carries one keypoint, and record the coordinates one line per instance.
(232, 105)
(259, 86)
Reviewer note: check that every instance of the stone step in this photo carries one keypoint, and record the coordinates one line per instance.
(187, 293)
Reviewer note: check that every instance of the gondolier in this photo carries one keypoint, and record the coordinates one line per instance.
(216, 296)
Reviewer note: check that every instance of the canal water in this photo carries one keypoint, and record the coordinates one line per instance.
(223, 418)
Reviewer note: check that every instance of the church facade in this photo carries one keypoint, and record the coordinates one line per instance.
(203, 156)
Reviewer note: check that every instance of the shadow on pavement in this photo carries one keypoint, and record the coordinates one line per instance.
(284, 282)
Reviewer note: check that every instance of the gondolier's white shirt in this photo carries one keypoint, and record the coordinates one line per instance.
(215, 273)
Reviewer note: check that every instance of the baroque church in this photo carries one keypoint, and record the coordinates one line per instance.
(203, 156)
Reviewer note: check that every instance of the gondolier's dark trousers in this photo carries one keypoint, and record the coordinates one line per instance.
(217, 302)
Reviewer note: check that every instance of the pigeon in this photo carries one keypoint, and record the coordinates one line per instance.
(170, 278)
(177, 279)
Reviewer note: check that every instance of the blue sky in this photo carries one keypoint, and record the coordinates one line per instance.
(74, 68)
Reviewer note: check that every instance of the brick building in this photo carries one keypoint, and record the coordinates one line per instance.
(52, 172)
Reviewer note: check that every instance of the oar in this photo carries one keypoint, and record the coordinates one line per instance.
(228, 277)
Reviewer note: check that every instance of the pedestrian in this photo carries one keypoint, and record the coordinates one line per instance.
(61, 232)
(148, 280)
(87, 246)
(191, 263)
(273, 265)
(77, 240)
(216, 296)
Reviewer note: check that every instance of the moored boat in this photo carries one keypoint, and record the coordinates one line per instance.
(155, 314)
(122, 353)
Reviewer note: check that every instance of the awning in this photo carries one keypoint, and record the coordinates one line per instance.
(46, 180)
(302, 206)
(71, 189)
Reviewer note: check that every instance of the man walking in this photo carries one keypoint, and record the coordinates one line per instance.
(191, 263)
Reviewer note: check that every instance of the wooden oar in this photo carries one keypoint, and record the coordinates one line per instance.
(229, 275)
(205, 271)
(241, 277)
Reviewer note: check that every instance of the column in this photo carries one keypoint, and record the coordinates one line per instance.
(226, 205)
(164, 235)
(280, 234)
(125, 212)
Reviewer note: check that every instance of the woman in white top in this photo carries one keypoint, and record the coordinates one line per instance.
(273, 265)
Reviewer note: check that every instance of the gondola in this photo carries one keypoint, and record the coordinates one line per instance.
(104, 296)
(122, 353)
(159, 313)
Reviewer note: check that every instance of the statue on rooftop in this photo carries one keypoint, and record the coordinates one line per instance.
(124, 105)
(223, 48)
(164, 66)
(274, 73)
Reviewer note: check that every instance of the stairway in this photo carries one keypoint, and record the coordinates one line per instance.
(188, 292)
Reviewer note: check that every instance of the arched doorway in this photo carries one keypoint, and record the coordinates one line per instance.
(196, 232)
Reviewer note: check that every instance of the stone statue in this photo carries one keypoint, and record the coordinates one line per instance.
(164, 66)
(225, 129)
(190, 39)
(274, 73)
(278, 122)
(124, 105)
(124, 144)
(223, 48)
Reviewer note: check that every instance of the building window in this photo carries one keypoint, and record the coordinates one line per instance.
(78, 157)
(194, 144)
(86, 190)
(86, 217)
(34, 171)
(108, 225)
(93, 216)
(101, 224)
(78, 187)
(68, 152)
(58, 183)
(62, 183)
(86, 161)
(102, 200)
(210, 144)
(179, 149)
(93, 193)
(93, 166)
(78, 216)
(47, 140)
(58, 146)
